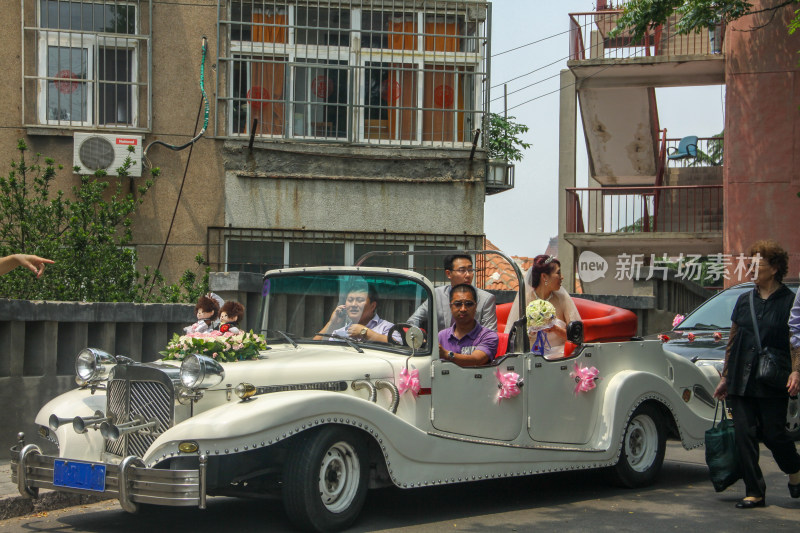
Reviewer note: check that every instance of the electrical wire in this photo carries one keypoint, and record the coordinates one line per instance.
(530, 43)
(527, 86)
(614, 64)
(190, 144)
(557, 61)
(205, 120)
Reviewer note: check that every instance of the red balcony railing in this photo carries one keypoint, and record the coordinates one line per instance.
(709, 153)
(590, 38)
(686, 209)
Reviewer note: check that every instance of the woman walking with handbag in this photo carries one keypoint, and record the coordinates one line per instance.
(760, 374)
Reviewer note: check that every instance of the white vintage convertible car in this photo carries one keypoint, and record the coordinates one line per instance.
(318, 422)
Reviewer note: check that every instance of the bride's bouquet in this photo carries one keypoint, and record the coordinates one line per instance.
(541, 316)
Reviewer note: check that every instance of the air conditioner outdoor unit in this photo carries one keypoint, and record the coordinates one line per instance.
(108, 151)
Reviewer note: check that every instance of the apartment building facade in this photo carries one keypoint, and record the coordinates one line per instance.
(332, 127)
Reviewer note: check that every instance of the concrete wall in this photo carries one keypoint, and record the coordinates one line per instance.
(40, 340)
(354, 189)
(762, 133)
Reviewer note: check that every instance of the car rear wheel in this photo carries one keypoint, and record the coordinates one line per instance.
(325, 479)
(643, 448)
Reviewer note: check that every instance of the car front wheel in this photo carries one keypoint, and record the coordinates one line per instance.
(642, 451)
(325, 479)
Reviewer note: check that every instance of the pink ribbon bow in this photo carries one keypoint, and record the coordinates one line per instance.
(409, 381)
(508, 385)
(584, 378)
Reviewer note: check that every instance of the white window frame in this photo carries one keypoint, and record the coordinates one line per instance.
(91, 43)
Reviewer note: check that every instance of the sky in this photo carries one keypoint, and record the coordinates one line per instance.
(522, 221)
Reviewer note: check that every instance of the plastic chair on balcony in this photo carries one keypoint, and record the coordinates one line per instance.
(686, 148)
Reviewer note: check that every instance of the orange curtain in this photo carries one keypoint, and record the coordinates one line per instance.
(265, 97)
(439, 98)
(402, 35)
(267, 79)
(405, 80)
(440, 42)
(273, 29)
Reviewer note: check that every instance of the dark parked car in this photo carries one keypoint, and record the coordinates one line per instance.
(695, 338)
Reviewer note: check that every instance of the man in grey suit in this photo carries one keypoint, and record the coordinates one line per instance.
(458, 269)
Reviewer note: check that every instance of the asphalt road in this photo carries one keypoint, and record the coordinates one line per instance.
(682, 500)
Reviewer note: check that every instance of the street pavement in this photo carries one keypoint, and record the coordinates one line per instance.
(682, 499)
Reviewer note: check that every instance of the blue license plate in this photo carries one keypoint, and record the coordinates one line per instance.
(76, 475)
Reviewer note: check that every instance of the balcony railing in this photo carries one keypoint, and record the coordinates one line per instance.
(709, 153)
(590, 39)
(614, 210)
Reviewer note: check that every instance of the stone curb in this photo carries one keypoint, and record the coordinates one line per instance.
(12, 506)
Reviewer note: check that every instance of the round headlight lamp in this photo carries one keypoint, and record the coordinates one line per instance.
(94, 365)
(200, 372)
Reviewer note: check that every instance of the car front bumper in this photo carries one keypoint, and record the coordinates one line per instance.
(129, 481)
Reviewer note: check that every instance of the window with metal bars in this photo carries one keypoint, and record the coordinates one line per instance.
(390, 72)
(88, 63)
(259, 250)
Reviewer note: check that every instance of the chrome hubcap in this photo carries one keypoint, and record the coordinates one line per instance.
(339, 477)
(641, 443)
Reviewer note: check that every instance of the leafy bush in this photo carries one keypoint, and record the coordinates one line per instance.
(504, 141)
(88, 236)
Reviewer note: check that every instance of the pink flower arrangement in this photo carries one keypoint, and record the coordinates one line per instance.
(717, 336)
(677, 320)
(224, 347)
(663, 338)
(690, 336)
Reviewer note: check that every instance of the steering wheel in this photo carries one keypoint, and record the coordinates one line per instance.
(401, 329)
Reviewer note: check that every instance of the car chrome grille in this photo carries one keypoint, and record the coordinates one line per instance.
(146, 399)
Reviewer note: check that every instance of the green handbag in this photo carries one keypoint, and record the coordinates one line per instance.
(721, 456)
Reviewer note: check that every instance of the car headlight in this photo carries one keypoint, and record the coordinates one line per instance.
(94, 365)
(718, 364)
(200, 372)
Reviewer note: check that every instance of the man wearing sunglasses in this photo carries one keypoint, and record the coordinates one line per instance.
(458, 269)
(466, 342)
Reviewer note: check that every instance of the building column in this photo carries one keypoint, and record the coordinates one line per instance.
(567, 128)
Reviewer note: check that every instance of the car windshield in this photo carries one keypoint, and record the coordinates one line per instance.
(715, 313)
(336, 307)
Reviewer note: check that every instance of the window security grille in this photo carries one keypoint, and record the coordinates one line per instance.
(383, 72)
(259, 250)
(86, 63)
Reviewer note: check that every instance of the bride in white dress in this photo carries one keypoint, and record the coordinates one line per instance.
(543, 282)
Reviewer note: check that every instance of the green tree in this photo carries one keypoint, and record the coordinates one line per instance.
(504, 138)
(88, 236)
(640, 16)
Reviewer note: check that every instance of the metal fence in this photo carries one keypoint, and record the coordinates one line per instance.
(692, 209)
(591, 38)
(259, 250)
(709, 153)
(393, 72)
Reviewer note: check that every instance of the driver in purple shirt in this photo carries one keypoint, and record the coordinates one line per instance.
(466, 342)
